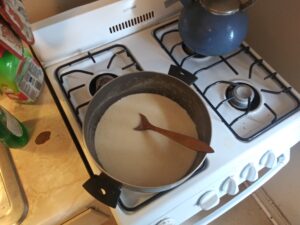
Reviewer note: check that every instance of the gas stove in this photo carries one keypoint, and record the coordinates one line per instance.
(252, 108)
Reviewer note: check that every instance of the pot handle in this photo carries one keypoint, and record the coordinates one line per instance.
(247, 4)
(104, 189)
(182, 74)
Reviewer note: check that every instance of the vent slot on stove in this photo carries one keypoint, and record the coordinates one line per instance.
(132, 22)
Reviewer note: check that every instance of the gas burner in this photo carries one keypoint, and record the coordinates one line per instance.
(81, 78)
(190, 52)
(99, 81)
(243, 96)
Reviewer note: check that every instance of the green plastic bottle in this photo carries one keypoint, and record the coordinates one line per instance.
(12, 132)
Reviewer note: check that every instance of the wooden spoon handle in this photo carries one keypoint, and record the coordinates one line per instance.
(184, 140)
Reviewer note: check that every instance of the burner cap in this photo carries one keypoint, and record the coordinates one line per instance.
(99, 81)
(241, 95)
(189, 51)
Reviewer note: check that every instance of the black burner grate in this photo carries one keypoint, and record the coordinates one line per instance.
(117, 50)
(161, 34)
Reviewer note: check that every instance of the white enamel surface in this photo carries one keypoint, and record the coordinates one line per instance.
(167, 221)
(268, 160)
(249, 173)
(231, 155)
(209, 200)
(87, 27)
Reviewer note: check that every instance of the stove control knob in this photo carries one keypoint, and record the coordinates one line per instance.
(268, 160)
(249, 173)
(167, 221)
(282, 159)
(208, 200)
(230, 186)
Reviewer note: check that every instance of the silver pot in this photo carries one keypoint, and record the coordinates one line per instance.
(105, 187)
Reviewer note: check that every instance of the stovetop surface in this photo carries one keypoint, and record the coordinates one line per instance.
(272, 100)
(218, 81)
(229, 151)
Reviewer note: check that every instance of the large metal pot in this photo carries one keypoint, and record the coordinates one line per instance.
(106, 187)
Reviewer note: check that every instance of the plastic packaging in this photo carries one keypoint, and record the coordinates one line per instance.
(14, 13)
(21, 80)
(12, 132)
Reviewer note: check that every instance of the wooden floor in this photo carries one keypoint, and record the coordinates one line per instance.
(247, 212)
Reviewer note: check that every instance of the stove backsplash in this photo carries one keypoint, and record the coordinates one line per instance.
(96, 25)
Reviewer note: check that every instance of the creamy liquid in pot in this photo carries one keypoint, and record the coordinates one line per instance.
(144, 158)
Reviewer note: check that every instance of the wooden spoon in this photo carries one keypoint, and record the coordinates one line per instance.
(187, 141)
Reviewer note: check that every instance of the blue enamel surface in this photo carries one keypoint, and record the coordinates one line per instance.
(210, 34)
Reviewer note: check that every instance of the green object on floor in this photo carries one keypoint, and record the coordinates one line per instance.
(12, 132)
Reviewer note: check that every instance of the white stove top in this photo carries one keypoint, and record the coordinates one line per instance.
(234, 161)
(271, 103)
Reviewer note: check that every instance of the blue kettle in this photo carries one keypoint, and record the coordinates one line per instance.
(213, 27)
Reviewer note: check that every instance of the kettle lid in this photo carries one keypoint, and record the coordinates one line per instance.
(221, 7)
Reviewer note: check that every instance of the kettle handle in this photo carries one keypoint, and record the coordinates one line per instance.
(247, 4)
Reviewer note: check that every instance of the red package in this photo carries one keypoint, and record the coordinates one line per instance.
(10, 41)
(13, 12)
